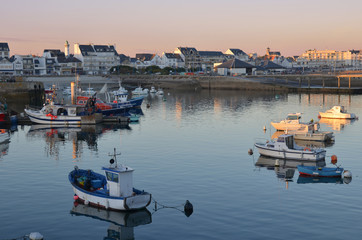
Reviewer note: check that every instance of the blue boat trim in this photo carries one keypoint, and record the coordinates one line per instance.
(304, 152)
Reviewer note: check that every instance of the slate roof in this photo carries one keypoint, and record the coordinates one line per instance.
(144, 56)
(271, 65)
(211, 54)
(235, 63)
(236, 51)
(104, 48)
(187, 50)
(86, 49)
(4, 47)
(55, 52)
(173, 56)
(355, 51)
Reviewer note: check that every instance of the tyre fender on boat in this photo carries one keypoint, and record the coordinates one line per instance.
(307, 149)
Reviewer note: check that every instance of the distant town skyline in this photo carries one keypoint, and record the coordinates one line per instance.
(291, 27)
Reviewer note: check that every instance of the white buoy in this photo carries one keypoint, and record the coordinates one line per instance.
(347, 174)
(36, 236)
(276, 163)
(250, 151)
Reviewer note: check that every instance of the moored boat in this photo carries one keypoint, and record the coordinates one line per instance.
(285, 148)
(140, 91)
(59, 114)
(114, 191)
(292, 122)
(337, 112)
(308, 133)
(4, 136)
(320, 171)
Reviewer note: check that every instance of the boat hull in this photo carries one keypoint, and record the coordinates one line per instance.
(306, 154)
(37, 117)
(139, 201)
(319, 171)
(337, 116)
(282, 126)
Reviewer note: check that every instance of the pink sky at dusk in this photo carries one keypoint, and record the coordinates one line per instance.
(145, 26)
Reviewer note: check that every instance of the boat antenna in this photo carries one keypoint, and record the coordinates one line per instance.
(114, 159)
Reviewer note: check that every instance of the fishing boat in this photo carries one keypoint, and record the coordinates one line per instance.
(159, 92)
(320, 171)
(153, 89)
(89, 92)
(307, 179)
(338, 112)
(113, 191)
(121, 90)
(122, 99)
(60, 114)
(292, 122)
(285, 148)
(140, 91)
(107, 109)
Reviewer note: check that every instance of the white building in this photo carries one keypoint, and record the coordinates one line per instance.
(209, 58)
(96, 59)
(190, 56)
(237, 53)
(172, 60)
(6, 66)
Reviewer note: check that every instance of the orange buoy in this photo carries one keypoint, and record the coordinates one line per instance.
(333, 159)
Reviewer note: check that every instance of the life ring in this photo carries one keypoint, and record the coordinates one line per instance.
(307, 148)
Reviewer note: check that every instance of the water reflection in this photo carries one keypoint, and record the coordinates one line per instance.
(55, 136)
(122, 223)
(336, 124)
(303, 180)
(4, 148)
(286, 168)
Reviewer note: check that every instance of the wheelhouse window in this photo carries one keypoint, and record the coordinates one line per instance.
(112, 177)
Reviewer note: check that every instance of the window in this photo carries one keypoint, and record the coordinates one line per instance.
(112, 177)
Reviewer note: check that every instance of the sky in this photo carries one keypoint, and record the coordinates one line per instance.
(146, 26)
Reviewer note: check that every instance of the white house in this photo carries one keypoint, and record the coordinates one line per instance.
(172, 60)
(96, 59)
(39, 65)
(6, 66)
(208, 58)
(237, 53)
(190, 56)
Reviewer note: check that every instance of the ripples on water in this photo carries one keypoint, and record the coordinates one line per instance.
(191, 146)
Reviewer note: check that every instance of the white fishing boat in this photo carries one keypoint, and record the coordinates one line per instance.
(140, 91)
(153, 90)
(114, 191)
(121, 90)
(309, 134)
(285, 148)
(59, 114)
(159, 92)
(292, 122)
(89, 92)
(337, 112)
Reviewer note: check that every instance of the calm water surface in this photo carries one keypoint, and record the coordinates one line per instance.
(193, 146)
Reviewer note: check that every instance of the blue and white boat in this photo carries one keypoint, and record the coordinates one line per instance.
(121, 100)
(315, 171)
(121, 90)
(114, 191)
(285, 148)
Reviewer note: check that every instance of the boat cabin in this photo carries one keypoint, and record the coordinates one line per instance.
(119, 181)
(287, 139)
(338, 109)
(60, 110)
(294, 116)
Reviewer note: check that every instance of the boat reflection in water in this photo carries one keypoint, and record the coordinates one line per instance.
(4, 148)
(284, 168)
(54, 136)
(122, 223)
(336, 124)
(306, 143)
(303, 179)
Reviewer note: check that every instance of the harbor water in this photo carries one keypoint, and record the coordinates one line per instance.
(187, 146)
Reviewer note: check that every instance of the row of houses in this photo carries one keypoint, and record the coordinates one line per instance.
(93, 59)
